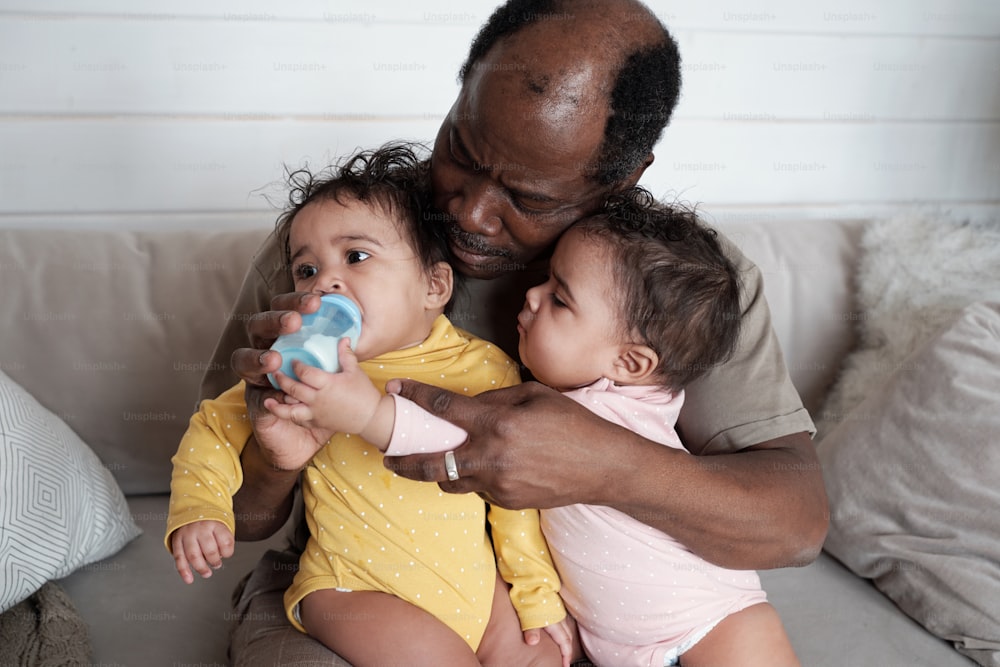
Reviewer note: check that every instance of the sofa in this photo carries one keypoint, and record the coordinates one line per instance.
(111, 330)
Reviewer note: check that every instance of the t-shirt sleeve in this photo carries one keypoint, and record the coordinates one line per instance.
(750, 398)
(265, 278)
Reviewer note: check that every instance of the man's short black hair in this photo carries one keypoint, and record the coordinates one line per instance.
(645, 93)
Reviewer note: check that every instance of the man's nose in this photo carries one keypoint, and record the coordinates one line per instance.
(477, 208)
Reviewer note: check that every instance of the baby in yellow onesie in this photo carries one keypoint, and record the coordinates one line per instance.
(386, 555)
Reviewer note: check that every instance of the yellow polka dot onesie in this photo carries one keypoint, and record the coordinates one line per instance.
(373, 530)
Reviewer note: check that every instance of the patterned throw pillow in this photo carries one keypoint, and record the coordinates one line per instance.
(60, 508)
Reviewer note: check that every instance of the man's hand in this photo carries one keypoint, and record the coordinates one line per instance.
(523, 448)
(252, 364)
(284, 444)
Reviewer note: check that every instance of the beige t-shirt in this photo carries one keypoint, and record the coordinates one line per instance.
(746, 401)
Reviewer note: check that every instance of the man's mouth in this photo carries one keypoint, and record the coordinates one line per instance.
(470, 248)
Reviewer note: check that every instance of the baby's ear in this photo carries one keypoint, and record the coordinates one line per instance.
(440, 285)
(635, 364)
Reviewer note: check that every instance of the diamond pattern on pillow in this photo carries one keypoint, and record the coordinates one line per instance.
(60, 508)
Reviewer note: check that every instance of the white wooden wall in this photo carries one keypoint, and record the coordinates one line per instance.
(153, 113)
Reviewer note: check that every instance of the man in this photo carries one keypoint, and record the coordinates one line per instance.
(560, 106)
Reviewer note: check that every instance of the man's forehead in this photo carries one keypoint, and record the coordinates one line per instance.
(518, 164)
(526, 136)
(529, 63)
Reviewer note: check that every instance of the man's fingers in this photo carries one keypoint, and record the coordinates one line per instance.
(437, 401)
(419, 467)
(264, 328)
(255, 362)
(432, 468)
(254, 365)
(284, 317)
(302, 302)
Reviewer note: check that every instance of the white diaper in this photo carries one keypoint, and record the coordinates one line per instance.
(673, 656)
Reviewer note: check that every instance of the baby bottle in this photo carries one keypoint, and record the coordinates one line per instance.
(315, 344)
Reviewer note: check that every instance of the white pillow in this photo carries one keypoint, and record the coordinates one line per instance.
(60, 508)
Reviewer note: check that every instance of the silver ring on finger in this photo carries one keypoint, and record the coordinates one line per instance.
(450, 466)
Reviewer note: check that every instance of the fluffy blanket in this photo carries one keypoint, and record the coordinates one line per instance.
(44, 630)
(917, 271)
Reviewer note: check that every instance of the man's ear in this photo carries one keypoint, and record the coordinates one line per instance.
(440, 284)
(635, 364)
(634, 177)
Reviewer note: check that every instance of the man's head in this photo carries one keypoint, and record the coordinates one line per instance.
(561, 104)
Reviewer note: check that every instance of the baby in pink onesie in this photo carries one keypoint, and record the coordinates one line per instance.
(640, 301)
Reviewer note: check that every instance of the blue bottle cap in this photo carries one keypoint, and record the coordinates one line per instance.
(315, 343)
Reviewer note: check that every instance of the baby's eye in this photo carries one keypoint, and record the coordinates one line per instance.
(305, 271)
(355, 256)
(556, 301)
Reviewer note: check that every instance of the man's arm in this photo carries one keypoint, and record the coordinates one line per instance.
(529, 446)
(760, 508)
(263, 503)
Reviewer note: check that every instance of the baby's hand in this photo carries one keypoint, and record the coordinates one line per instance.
(342, 402)
(562, 633)
(200, 545)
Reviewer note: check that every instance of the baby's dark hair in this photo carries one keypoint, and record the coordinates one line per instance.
(678, 293)
(393, 178)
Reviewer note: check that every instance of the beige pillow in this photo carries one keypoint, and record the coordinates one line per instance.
(913, 475)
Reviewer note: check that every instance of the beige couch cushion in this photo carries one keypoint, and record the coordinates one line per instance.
(128, 316)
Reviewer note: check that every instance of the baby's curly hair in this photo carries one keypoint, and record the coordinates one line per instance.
(677, 292)
(394, 178)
